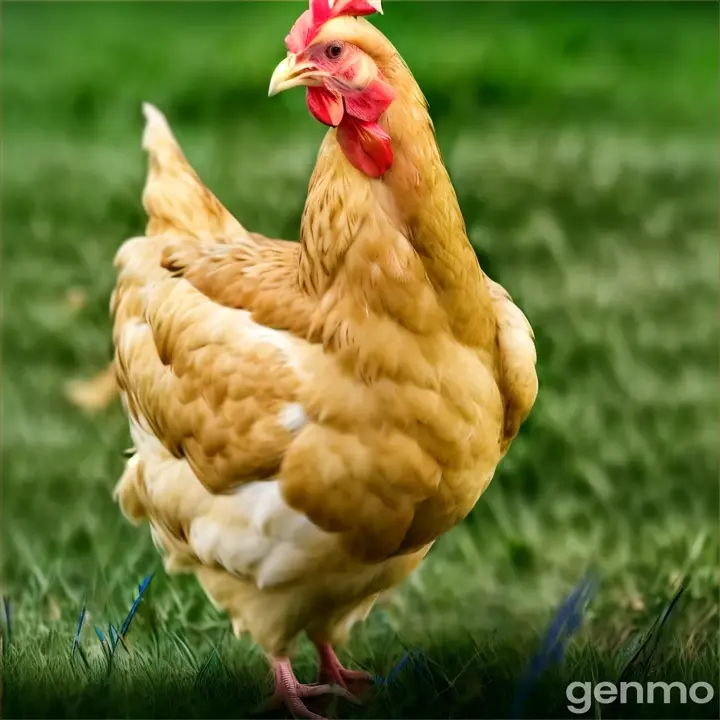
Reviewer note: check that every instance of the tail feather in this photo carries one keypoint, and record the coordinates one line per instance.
(157, 132)
(96, 393)
(175, 198)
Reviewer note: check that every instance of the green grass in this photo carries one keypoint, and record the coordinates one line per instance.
(582, 140)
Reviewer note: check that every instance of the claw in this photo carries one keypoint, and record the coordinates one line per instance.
(291, 693)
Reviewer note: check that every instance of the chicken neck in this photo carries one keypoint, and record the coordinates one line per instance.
(403, 232)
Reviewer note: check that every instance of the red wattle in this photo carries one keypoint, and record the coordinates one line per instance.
(325, 105)
(366, 145)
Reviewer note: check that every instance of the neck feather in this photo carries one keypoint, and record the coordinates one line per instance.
(400, 236)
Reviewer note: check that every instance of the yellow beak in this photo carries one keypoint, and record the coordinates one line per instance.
(290, 73)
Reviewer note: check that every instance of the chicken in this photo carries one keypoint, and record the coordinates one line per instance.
(309, 417)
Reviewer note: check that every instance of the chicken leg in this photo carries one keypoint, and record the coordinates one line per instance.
(291, 693)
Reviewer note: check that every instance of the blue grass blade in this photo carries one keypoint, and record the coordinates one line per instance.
(113, 634)
(78, 630)
(392, 675)
(568, 617)
(141, 591)
(416, 660)
(566, 622)
(143, 585)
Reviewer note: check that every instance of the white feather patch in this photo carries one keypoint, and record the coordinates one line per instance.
(255, 533)
(293, 417)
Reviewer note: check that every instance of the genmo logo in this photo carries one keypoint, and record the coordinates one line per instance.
(581, 694)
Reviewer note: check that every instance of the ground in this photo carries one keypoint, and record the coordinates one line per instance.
(582, 140)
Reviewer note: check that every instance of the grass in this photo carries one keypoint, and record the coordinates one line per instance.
(582, 140)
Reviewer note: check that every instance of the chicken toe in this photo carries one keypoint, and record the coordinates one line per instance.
(332, 671)
(291, 693)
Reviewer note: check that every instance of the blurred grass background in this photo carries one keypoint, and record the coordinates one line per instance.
(582, 140)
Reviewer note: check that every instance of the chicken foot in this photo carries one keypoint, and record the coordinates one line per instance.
(332, 671)
(291, 693)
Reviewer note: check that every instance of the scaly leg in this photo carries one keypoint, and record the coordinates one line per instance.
(332, 672)
(290, 692)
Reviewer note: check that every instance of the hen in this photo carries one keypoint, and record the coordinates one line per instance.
(308, 418)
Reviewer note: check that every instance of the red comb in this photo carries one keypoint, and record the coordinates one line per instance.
(309, 23)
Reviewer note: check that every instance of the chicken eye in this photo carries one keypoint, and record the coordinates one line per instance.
(334, 50)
